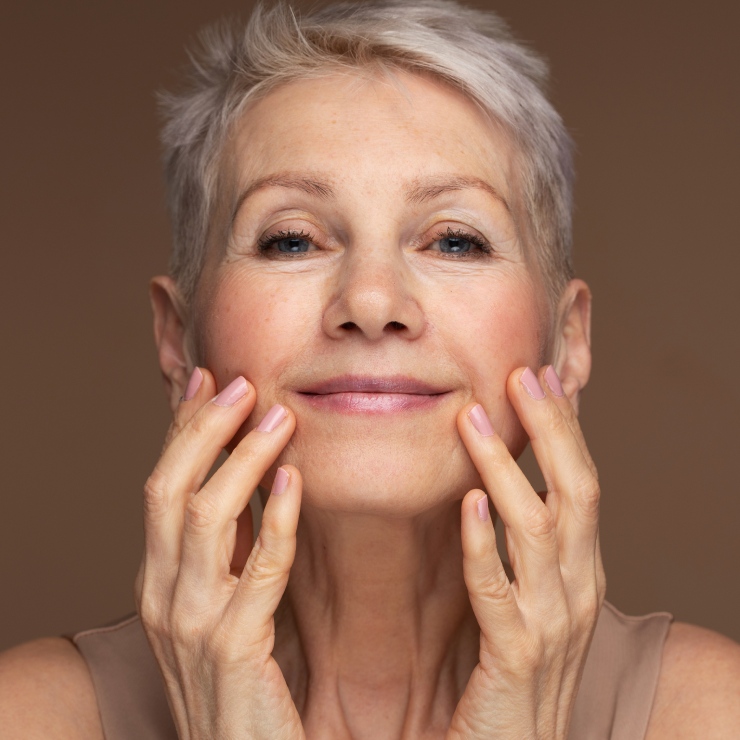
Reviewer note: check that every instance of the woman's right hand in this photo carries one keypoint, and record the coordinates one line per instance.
(212, 630)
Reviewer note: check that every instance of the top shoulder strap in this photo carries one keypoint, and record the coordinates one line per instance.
(620, 677)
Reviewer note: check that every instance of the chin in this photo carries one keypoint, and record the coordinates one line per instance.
(381, 479)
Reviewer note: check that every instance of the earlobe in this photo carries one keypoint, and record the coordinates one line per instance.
(572, 358)
(170, 336)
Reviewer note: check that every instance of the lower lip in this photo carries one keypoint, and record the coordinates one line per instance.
(372, 403)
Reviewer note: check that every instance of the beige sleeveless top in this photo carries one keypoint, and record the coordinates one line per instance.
(614, 699)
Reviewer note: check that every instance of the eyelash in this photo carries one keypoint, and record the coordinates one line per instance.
(483, 247)
(265, 242)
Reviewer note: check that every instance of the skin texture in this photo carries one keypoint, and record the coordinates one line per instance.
(397, 605)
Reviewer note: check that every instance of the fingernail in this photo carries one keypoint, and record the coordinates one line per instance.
(553, 381)
(483, 508)
(280, 483)
(232, 393)
(480, 421)
(529, 380)
(272, 418)
(193, 384)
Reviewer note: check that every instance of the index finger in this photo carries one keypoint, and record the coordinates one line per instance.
(181, 470)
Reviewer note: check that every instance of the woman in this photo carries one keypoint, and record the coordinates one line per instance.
(372, 253)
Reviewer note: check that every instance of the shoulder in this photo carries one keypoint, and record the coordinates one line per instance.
(46, 691)
(698, 693)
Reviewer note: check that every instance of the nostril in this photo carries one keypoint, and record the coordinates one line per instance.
(396, 325)
(348, 325)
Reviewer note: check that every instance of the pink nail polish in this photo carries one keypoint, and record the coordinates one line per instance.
(553, 381)
(193, 384)
(480, 421)
(232, 393)
(280, 483)
(272, 418)
(483, 508)
(529, 380)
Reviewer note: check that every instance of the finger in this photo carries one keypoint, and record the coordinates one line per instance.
(182, 468)
(211, 517)
(554, 386)
(573, 492)
(491, 593)
(200, 388)
(520, 508)
(265, 575)
(550, 381)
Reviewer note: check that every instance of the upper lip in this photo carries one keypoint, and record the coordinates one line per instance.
(373, 384)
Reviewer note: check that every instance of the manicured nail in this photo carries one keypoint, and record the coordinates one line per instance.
(272, 418)
(193, 384)
(232, 393)
(483, 508)
(529, 380)
(280, 483)
(480, 421)
(553, 381)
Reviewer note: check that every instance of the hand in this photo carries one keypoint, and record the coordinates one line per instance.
(535, 630)
(212, 629)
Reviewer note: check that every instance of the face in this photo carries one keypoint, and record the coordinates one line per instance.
(366, 271)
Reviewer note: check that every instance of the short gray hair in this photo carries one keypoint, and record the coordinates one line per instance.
(239, 63)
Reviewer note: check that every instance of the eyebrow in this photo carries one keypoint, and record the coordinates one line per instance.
(421, 190)
(432, 186)
(290, 180)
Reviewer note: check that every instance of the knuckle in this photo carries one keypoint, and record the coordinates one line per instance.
(187, 624)
(245, 458)
(201, 515)
(588, 497)
(497, 586)
(587, 610)
(199, 424)
(156, 495)
(264, 564)
(184, 631)
(539, 522)
(152, 619)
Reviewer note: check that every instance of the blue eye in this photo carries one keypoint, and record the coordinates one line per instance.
(462, 244)
(292, 245)
(454, 245)
(286, 242)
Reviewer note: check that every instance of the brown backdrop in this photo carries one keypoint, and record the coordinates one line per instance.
(650, 91)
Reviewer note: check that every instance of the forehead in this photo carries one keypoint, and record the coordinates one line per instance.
(374, 132)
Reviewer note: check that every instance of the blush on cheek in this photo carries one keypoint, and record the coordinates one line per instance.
(254, 330)
(499, 335)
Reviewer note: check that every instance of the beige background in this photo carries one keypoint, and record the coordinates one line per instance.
(650, 91)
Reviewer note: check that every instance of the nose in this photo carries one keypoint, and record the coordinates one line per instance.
(374, 298)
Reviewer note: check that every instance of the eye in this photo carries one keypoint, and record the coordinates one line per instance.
(286, 243)
(459, 243)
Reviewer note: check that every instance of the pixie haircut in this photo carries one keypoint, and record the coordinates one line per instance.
(470, 50)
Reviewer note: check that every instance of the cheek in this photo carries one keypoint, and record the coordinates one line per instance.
(252, 328)
(496, 329)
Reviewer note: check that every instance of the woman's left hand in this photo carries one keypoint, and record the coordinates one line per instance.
(535, 630)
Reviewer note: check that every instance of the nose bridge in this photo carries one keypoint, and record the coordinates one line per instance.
(375, 295)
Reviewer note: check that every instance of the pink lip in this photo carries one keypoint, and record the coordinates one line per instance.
(370, 384)
(372, 395)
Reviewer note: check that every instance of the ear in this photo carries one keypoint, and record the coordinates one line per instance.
(170, 336)
(572, 345)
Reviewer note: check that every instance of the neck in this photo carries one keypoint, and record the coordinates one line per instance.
(377, 624)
